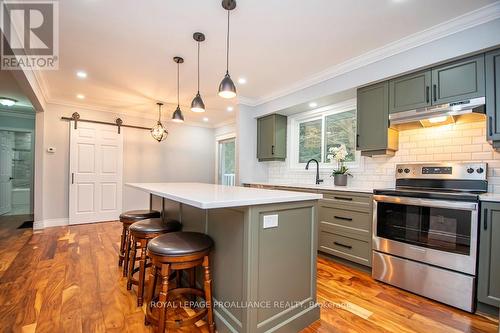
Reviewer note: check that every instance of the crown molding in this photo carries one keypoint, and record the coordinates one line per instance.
(460, 23)
(17, 113)
(231, 121)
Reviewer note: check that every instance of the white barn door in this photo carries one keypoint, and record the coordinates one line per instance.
(96, 172)
(6, 156)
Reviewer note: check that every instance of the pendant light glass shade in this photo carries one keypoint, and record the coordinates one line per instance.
(197, 104)
(227, 89)
(177, 115)
(158, 132)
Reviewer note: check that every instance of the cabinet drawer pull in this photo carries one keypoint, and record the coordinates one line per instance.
(434, 92)
(272, 150)
(427, 93)
(342, 218)
(485, 226)
(490, 125)
(342, 198)
(343, 245)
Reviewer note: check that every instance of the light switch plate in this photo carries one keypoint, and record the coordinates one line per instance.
(270, 221)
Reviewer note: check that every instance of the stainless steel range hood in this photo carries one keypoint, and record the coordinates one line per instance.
(463, 111)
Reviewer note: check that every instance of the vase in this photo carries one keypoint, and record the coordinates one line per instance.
(340, 180)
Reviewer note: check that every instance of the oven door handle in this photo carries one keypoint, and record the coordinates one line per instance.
(460, 205)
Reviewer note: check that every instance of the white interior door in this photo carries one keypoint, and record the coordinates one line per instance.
(6, 156)
(96, 172)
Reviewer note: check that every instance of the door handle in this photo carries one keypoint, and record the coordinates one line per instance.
(342, 218)
(427, 93)
(72, 178)
(485, 225)
(434, 92)
(343, 245)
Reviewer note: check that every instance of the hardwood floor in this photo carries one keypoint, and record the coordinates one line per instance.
(67, 280)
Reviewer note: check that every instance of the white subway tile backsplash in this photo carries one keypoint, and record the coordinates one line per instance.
(458, 142)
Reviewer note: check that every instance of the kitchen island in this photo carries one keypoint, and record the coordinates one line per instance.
(264, 260)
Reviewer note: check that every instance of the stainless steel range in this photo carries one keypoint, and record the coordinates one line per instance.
(425, 231)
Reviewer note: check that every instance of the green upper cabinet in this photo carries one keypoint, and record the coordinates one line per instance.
(271, 138)
(493, 96)
(410, 92)
(374, 137)
(488, 284)
(459, 80)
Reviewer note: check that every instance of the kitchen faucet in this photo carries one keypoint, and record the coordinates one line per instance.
(318, 181)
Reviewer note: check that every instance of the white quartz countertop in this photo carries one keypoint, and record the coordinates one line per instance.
(207, 196)
(324, 187)
(495, 197)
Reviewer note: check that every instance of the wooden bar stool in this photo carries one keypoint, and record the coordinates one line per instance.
(127, 218)
(174, 252)
(141, 233)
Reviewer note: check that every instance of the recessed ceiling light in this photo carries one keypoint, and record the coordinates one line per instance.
(242, 80)
(313, 104)
(80, 96)
(81, 74)
(230, 109)
(205, 119)
(6, 101)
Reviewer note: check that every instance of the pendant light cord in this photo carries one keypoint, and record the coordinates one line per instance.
(227, 44)
(177, 84)
(198, 67)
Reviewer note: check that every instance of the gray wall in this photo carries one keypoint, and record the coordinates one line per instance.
(186, 155)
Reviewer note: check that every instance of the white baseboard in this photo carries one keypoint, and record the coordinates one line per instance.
(50, 223)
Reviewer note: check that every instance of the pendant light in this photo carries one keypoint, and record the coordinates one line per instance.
(197, 104)
(158, 132)
(227, 89)
(177, 115)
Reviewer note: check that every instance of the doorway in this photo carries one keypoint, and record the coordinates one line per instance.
(16, 172)
(226, 161)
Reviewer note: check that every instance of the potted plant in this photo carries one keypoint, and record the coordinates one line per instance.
(339, 154)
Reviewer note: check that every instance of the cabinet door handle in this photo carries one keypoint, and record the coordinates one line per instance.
(342, 198)
(342, 218)
(357, 140)
(427, 93)
(434, 92)
(490, 125)
(72, 178)
(485, 225)
(343, 245)
(272, 150)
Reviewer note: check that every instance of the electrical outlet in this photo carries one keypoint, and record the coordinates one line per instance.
(270, 221)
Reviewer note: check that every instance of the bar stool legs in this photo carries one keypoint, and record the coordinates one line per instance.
(122, 246)
(164, 273)
(208, 295)
(126, 255)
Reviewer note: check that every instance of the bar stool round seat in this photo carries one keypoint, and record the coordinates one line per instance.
(180, 244)
(141, 233)
(127, 218)
(175, 252)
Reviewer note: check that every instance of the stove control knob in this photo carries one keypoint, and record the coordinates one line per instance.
(407, 170)
(470, 170)
(480, 170)
(400, 170)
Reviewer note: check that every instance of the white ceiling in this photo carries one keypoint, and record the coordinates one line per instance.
(10, 88)
(126, 46)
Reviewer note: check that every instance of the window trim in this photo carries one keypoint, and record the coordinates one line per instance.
(310, 115)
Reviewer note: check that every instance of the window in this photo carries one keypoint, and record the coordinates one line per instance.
(314, 132)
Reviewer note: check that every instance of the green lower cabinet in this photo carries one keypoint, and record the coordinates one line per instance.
(488, 286)
(374, 137)
(271, 138)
